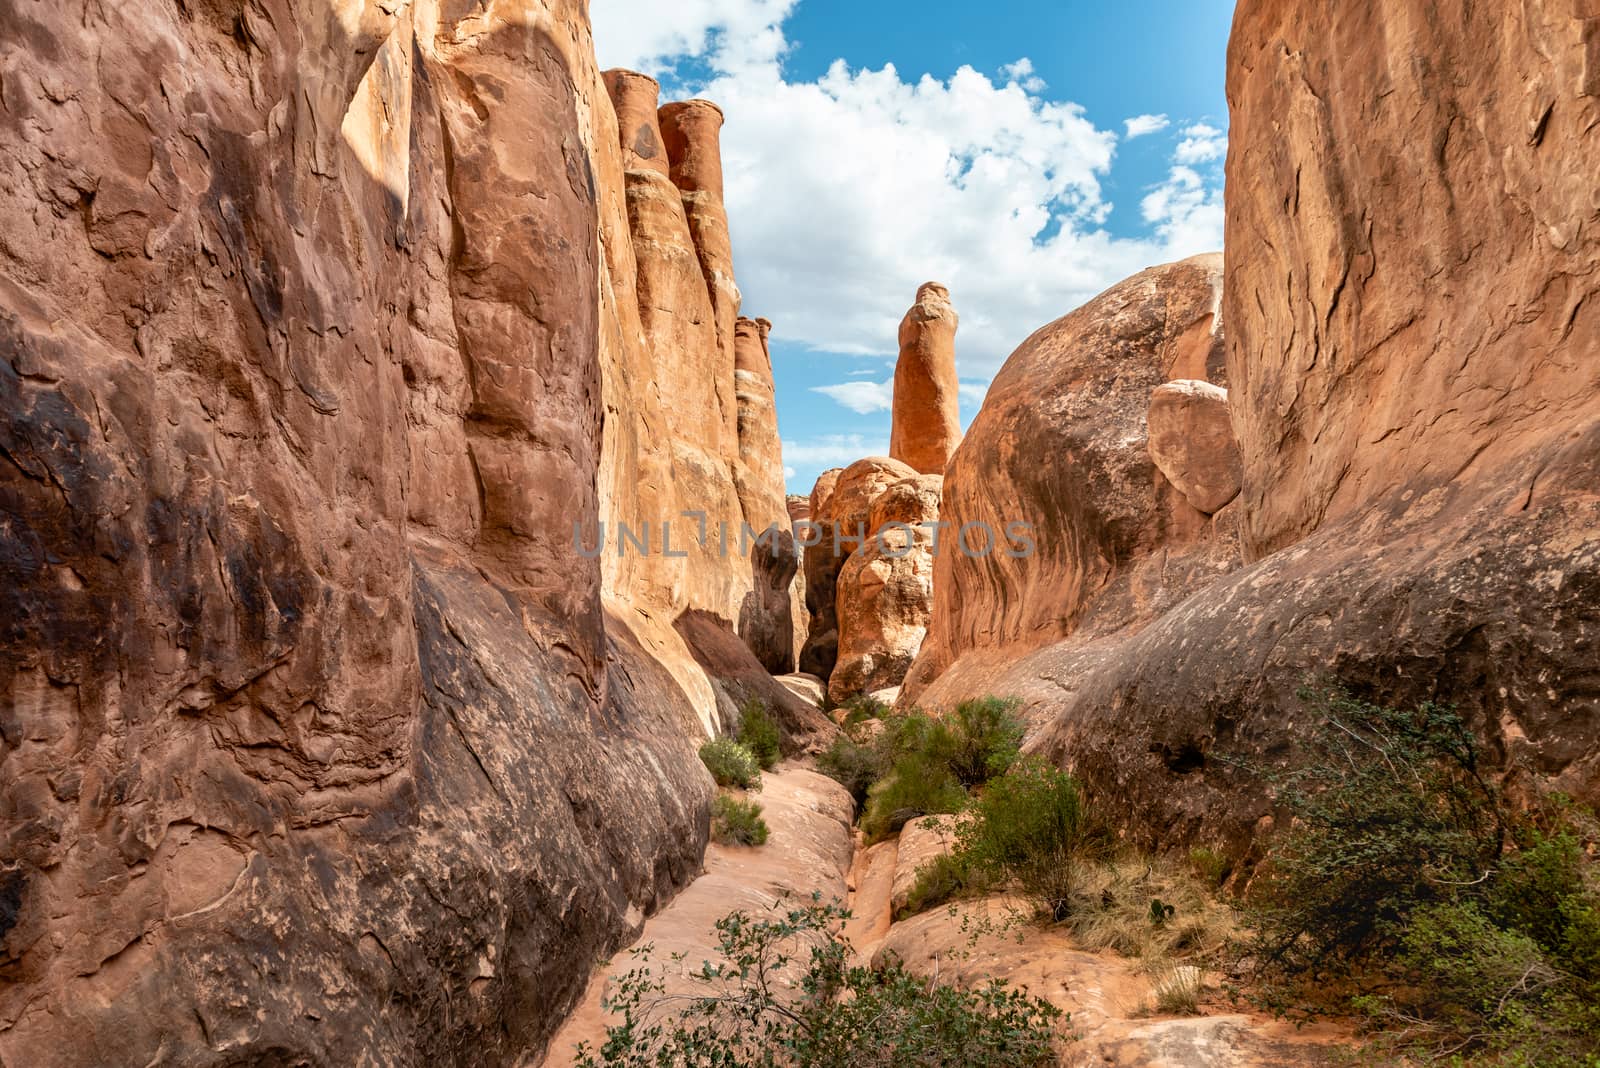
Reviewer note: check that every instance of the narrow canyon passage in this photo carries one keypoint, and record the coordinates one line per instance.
(814, 849)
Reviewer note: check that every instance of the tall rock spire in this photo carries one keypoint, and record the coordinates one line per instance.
(927, 414)
(692, 131)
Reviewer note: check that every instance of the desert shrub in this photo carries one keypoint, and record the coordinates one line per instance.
(731, 764)
(786, 996)
(758, 732)
(1391, 811)
(862, 709)
(1209, 866)
(916, 786)
(736, 822)
(979, 741)
(1031, 828)
(927, 763)
(855, 764)
(1461, 925)
(939, 880)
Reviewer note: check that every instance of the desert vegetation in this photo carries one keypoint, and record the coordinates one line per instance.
(784, 994)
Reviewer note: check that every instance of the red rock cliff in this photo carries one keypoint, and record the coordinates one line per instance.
(1412, 360)
(321, 740)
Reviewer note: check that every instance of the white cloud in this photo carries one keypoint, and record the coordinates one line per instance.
(973, 392)
(834, 450)
(649, 35)
(1141, 125)
(864, 398)
(1022, 73)
(1201, 144)
(847, 192)
(789, 472)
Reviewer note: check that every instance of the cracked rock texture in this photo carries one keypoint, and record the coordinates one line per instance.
(322, 740)
(1413, 360)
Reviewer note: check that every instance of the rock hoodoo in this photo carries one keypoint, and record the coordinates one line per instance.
(927, 408)
(841, 507)
(885, 590)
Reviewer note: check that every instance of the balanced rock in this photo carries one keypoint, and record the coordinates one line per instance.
(927, 406)
(1192, 442)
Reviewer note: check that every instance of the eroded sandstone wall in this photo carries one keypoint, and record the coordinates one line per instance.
(1413, 249)
(320, 739)
(1413, 371)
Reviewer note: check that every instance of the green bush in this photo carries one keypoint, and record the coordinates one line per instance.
(1030, 828)
(1391, 810)
(731, 764)
(758, 732)
(822, 1013)
(1464, 925)
(736, 822)
(915, 787)
(939, 880)
(1209, 866)
(922, 765)
(855, 764)
(862, 709)
(979, 741)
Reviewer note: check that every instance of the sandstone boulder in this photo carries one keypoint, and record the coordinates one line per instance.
(927, 409)
(1192, 442)
(841, 507)
(1058, 457)
(885, 590)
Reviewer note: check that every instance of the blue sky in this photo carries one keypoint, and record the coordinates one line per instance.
(876, 144)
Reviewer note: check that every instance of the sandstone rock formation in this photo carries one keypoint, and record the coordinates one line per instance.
(774, 621)
(841, 504)
(1440, 322)
(667, 463)
(1058, 456)
(885, 590)
(1192, 442)
(1419, 423)
(692, 132)
(321, 740)
(927, 409)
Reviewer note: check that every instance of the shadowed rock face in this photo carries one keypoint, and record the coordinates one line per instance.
(927, 407)
(1413, 369)
(320, 740)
